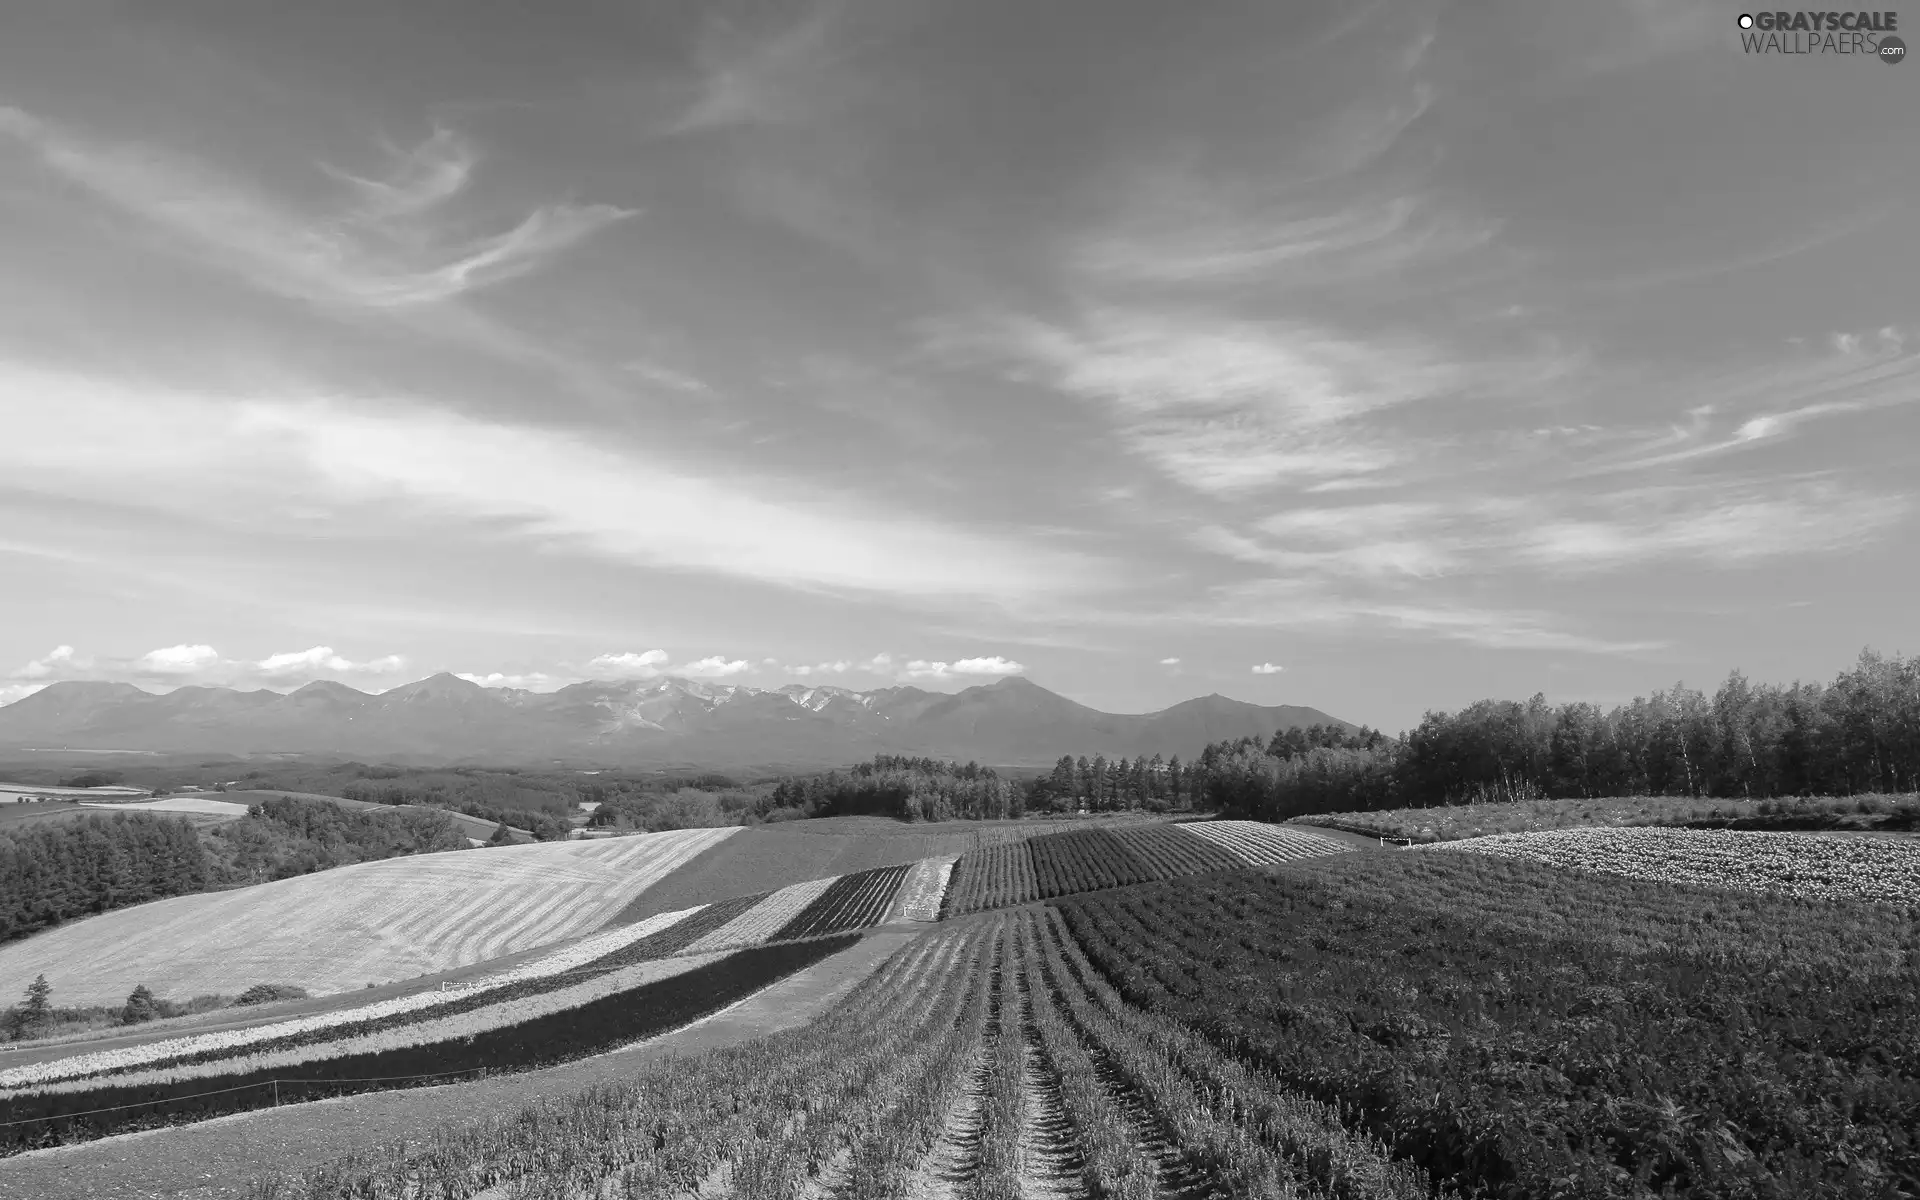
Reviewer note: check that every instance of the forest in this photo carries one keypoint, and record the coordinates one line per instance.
(1859, 734)
(63, 870)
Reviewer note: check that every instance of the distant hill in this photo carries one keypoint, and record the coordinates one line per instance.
(667, 721)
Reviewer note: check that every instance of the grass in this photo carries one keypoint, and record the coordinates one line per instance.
(1457, 821)
(338, 930)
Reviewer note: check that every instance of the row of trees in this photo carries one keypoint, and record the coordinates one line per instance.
(36, 1016)
(911, 789)
(287, 836)
(1858, 734)
(59, 870)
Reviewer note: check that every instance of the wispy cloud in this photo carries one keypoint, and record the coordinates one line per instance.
(1229, 405)
(752, 76)
(423, 177)
(1267, 668)
(1722, 524)
(375, 469)
(359, 259)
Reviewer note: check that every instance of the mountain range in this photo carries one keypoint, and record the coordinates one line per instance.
(665, 722)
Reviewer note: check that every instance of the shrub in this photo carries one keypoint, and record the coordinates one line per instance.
(265, 993)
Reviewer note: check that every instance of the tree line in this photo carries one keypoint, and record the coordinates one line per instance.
(906, 788)
(58, 871)
(1858, 734)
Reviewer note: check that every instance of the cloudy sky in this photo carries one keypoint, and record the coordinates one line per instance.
(1376, 357)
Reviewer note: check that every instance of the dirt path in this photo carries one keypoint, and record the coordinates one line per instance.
(1050, 1163)
(1178, 1178)
(955, 1158)
(218, 1158)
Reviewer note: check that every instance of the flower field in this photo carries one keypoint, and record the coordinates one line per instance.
(595, 954)
(1515, 1030)
(514, 1033)
(759, 923)
(922, 890)
(341, 929)
(851, 902)
(1455, 821)
(989, 1059)
(1367, 1027)
(1812, 866)
(1082, 860)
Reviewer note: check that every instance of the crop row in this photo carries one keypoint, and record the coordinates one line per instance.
(860, 1094)
(989, 1019)
(1232, 1127)
(924, 887)
(759, 923)
(1082, 860)
(853, 902)
(1812, 866)
(609, 1020)
(460, 1021)
(1261, 845)
(593, 954)
(1570, 1049)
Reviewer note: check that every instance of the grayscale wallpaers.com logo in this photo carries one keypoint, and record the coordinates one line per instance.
(1868, 34)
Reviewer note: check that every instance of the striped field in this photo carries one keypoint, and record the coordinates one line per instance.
(345, 928)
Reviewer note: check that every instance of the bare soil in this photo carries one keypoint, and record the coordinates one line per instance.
(1051, 1167)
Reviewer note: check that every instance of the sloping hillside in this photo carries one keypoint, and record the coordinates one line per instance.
(766, 857)
(347, 927)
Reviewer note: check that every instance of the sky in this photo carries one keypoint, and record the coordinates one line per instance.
(1379, 357)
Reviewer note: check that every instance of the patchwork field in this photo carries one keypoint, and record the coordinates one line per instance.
(1455, 821)
(773, 856)
(1082, 860)
(341, 929)
(1813, 866)
(1365, 1026)
(1205, 1009)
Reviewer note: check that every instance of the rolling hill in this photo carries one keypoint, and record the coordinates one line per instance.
(341, 929)
(667, 721)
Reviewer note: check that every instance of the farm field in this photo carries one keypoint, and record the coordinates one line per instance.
(1812, 866)
(222, 1158)
(508, 1029)
(987, 1059)
(1083, 860)
(1343, 1024)
(340, 929)
(1452, 822)
(197, 805)
(1506, 1026)
(8, 791)
(772, 856)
